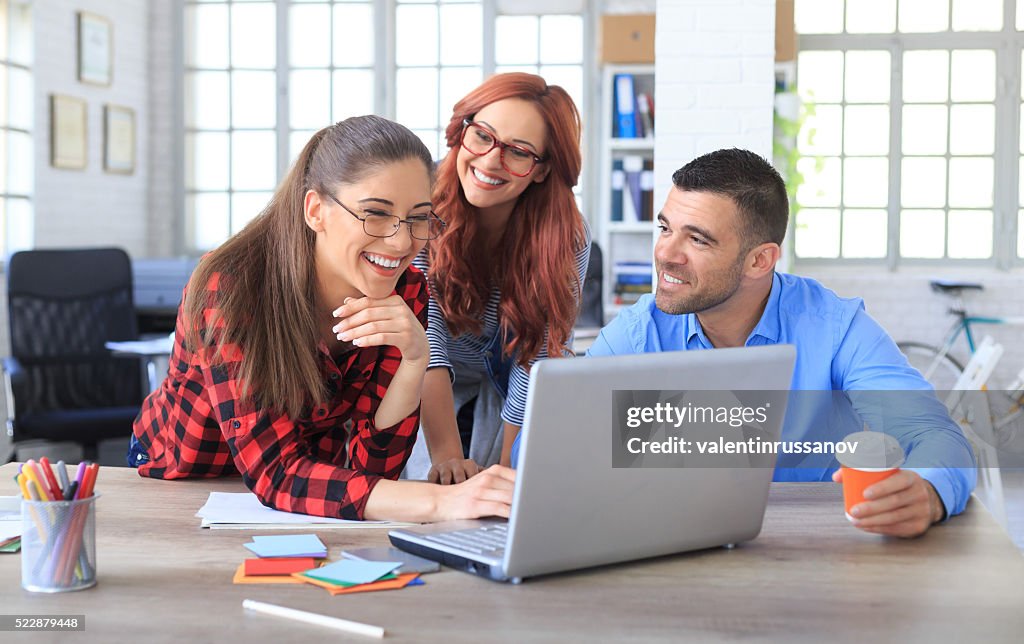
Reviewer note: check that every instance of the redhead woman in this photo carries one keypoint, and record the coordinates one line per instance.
(506, 274)
(301, 348)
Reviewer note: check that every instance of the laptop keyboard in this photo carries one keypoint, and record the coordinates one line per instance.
(486, 540)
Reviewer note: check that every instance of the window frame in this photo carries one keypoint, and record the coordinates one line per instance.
(1008, 45)
(385, 73)
(11, 22)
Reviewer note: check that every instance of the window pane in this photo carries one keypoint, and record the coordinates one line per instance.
(561, 39)
(416, 100)
(870, 17)
(416, 36)
(866, 130)
(206, 161)
(977, 15)
(1020, 18)
(1020, 181)
(924, 129)
(309, 104)
(970, 234)
(867, 76)
(3, 92)
(568, 77)
(206, 28)
(822, 180)
(974, 75)
(296, 141)
(253, 35)
(866, 182)
(819, 16)
(506, 69)
(972, 129)
(3, 160)
(817, 233)
(208, 215)
(456, 82)
(3, 33)
(353, 93)
(923, 182)
(820, 76)
(970, 182)
(20, 106)
(462, 40)
(516, 40)
(206, 100)
(19, 47)
(253, 160)
(922, 233)
(917, 16)
(925, 76)
(354, 36)
(253, 99)
(245, 206)
(309, 36)
(865, 233)
(430, 139)
(20, 169)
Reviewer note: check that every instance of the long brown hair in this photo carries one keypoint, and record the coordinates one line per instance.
(536, 264)
(265, 303)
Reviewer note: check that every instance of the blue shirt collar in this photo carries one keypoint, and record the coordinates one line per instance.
(767, 327)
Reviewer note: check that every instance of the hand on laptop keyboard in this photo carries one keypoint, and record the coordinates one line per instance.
(488, 494)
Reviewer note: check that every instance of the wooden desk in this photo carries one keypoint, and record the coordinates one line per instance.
(808, 577)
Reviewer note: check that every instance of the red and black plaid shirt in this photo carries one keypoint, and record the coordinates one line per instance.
(324, 463)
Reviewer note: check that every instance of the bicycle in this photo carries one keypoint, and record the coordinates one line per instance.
(943, 370)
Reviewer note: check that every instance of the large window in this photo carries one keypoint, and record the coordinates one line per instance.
(261, 76)
(16, 158)
(901, 158)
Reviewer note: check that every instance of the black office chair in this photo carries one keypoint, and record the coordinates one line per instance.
(62, 383)
(591, 307)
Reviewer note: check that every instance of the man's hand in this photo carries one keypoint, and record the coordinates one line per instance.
(452, 471)
(903, 505)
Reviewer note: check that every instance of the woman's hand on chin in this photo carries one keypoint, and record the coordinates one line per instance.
(370, 322)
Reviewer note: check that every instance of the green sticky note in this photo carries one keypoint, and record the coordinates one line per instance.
(13, 546)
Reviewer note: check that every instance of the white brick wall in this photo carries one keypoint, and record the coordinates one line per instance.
(714, 67)
(91, 207)
(906, 307)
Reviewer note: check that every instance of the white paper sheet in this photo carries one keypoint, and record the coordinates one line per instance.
(243, 511)
(158, 346)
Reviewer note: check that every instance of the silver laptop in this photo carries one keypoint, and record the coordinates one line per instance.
(572, 509)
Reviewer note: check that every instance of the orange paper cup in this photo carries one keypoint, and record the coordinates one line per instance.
(855, 481)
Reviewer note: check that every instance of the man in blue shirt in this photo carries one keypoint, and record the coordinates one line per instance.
(722, 227)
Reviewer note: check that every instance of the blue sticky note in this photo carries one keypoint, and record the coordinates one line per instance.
(351, 571)
(288, 545)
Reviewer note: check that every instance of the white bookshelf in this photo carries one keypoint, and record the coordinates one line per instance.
(631, 241)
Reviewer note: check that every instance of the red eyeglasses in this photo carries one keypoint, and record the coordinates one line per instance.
(516, 159)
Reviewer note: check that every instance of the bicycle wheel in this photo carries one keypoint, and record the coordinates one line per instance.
(942, 372)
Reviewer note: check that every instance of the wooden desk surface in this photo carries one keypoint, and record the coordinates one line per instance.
(810, 576)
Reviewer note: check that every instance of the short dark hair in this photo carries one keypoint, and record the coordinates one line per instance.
(750, 182)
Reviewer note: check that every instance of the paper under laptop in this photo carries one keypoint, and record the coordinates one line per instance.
(243, 511)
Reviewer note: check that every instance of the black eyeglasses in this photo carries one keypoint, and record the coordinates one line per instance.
(479, 140)
(382, 225)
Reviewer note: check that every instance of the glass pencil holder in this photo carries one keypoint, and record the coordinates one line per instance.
(58, 545)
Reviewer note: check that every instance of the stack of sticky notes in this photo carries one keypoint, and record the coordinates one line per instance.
(353, 576)
(10, 523)
(288, 545)
(279, 557)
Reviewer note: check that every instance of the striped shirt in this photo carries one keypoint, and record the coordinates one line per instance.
(466, 352)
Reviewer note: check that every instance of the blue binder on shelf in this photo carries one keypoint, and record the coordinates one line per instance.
(618, 183)
(625, 107)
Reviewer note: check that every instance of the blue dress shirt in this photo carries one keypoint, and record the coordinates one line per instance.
(839, 348)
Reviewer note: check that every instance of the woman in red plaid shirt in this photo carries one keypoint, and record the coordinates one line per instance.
(301, 347)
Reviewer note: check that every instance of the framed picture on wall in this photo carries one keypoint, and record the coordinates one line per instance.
(95, 49)
(68, 132)
(118, 139)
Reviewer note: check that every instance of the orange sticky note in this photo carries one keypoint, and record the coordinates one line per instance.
(242, 578)
(278, 565)
(400, 581)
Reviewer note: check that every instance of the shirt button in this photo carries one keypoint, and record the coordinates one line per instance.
(488, 355)
(334, 376)
(321, 411)
(236, 424)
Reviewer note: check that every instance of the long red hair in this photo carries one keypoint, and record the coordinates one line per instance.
(535, 268)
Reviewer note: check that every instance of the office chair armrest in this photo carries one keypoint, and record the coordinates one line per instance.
(13, 370)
